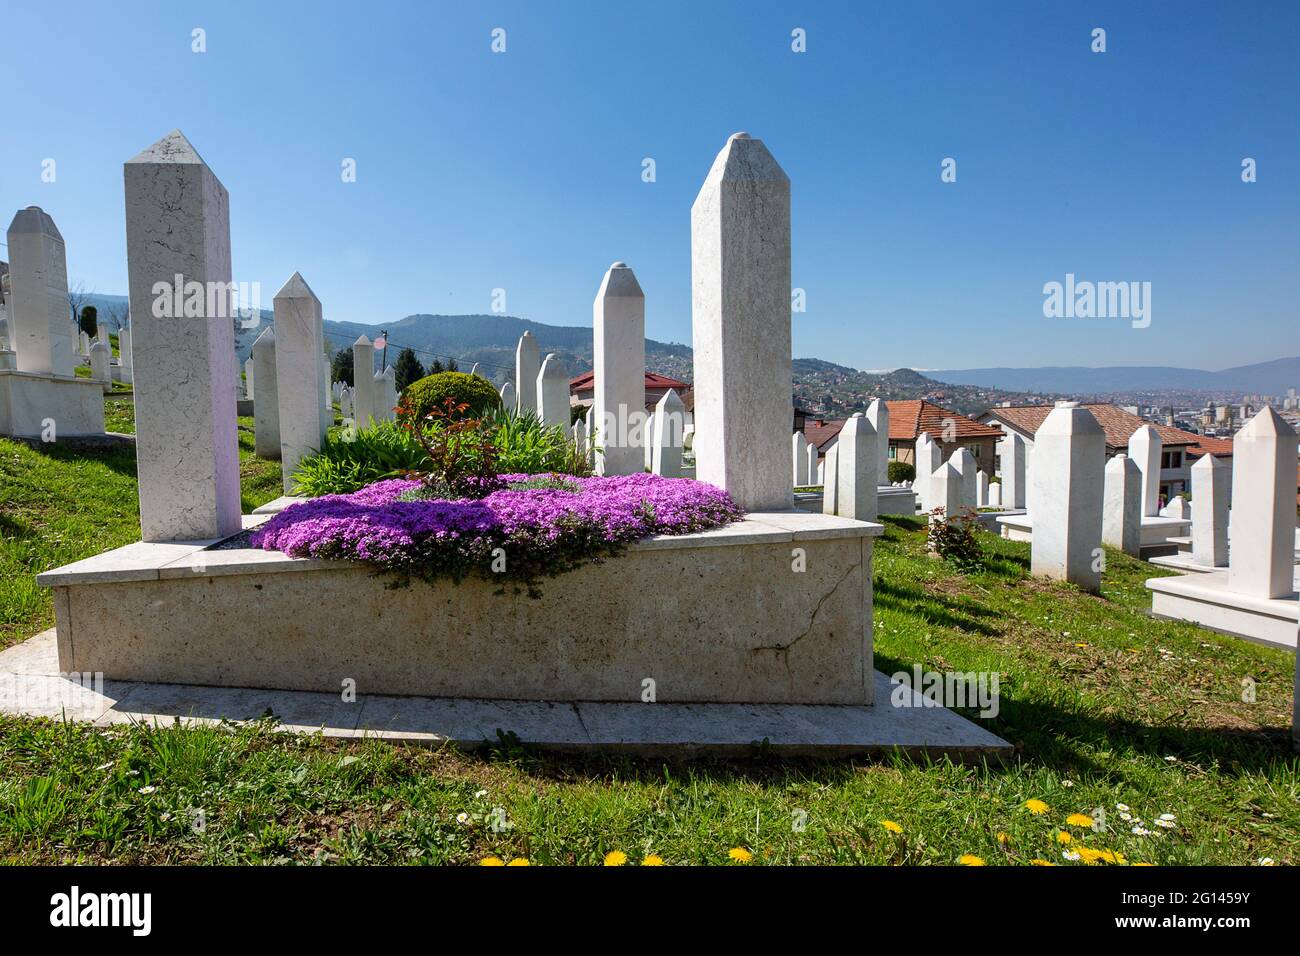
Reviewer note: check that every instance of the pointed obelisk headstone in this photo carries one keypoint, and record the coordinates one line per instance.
(1144, 448)
(878, 415)
(1210, 479)
(298, 332)
(669, 432)
(39, 330)
(553, 392)
(945, 491)
(982, 488)
(810, 451)
(527, 366)
(856, 487)
(929, 456)
(799, 459)
(363, 377)
(740, 318)
(385, 394)
(1068, 475)
(1011, 451)
(618, 359)
(1121, 522)
(1262, 558)
(187, 448)
(831, 480)
(266, 408)
(964, 462)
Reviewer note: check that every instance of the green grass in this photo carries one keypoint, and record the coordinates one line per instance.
(59, 505)
(1105, 706)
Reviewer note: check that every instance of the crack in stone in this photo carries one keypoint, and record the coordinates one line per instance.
(784, 649)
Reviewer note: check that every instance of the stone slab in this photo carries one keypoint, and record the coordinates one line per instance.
(1206, 599)
(28, 688)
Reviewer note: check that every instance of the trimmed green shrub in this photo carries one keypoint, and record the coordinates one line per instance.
(432, 392)
(901, 471)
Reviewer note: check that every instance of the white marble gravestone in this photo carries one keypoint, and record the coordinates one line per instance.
(187, 450)
(668, 435)
(965, 464)
(39, 330)
(1262, 560)
(878, 416)
(298, 335)
(527, 367)
(799, 459)
(553, 392)
(363, 377)
(740, 304)
(618, 357)
(266, 408)
(1068, 480)
(1012, 452)
(831, 480)
(385, 392)
(1121, 524)
(857, 474)
(1144, 448)
(1210, 479)
(929, 456)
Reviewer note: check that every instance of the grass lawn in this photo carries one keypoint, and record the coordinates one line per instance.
(1106, 706)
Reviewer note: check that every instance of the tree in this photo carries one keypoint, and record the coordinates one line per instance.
(436, 367)
(89, 321)
(341, 366)
(451, 365)
(407, 369)
(77, 296)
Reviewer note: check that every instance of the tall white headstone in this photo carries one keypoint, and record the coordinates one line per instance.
(40, 330)
(740, 276)
(878, 415)
(385, 394)
(100, 361)
(668, 433)
(945, 491)
(646, 441)
(326, 404)
(124, 349)
(929, 456)
(1068, 475)
(553, 392)
(799, 459)
(249, 374)
(856, 464)
(266, 408)
(995, 494)
(363, 377)
(1262, 558)
(187, 449)
(831, 480)
(527, 365)
(618, 356)
(810, 450)
(1121, 522)
(1144, 447)
(964, 462)
(1011, 451)
(981, 488)
(298, 333)
(1210, 479)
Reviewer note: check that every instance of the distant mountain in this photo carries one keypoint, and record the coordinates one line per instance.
(1268, 378)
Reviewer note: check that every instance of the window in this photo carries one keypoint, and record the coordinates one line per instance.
(1171, 459)
(975, 451)
(893, 450)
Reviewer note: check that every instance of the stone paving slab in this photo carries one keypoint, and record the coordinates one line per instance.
(30, 685)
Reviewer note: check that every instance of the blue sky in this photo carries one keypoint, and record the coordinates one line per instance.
(522, 170)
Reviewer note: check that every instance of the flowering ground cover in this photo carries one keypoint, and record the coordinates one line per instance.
(529, 526)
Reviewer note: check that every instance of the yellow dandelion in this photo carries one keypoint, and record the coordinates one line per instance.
(1089, 856)
(1063, 837)
(1003, 838)
(970, 859)
(1036, 807)
(1111, 856)
(891, 826)
(519, 861)
(1079, 820)
(740, 854)
(1041, 863)
(653, 860)
(615, 858)
(491, 861)
(1143, 864)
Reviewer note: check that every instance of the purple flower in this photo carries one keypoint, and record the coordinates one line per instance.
(535, 525)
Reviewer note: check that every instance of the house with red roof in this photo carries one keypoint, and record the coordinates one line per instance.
(907, 420)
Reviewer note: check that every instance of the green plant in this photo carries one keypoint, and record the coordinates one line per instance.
(460, 459)
(350, 459)
(901, 471)
(341, 367)
(473, 391)
(407, 370)
(953, 539)
(525, 446)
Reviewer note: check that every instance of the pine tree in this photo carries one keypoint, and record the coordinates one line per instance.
(89, 320)
(407, 370)
(341, 367)
(451, 365)
(436, 367)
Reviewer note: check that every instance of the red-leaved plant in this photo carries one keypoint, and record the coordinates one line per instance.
(459, 451)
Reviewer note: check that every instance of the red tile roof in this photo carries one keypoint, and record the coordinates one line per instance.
(653, 380)
(907, 419)
(1118, 424)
